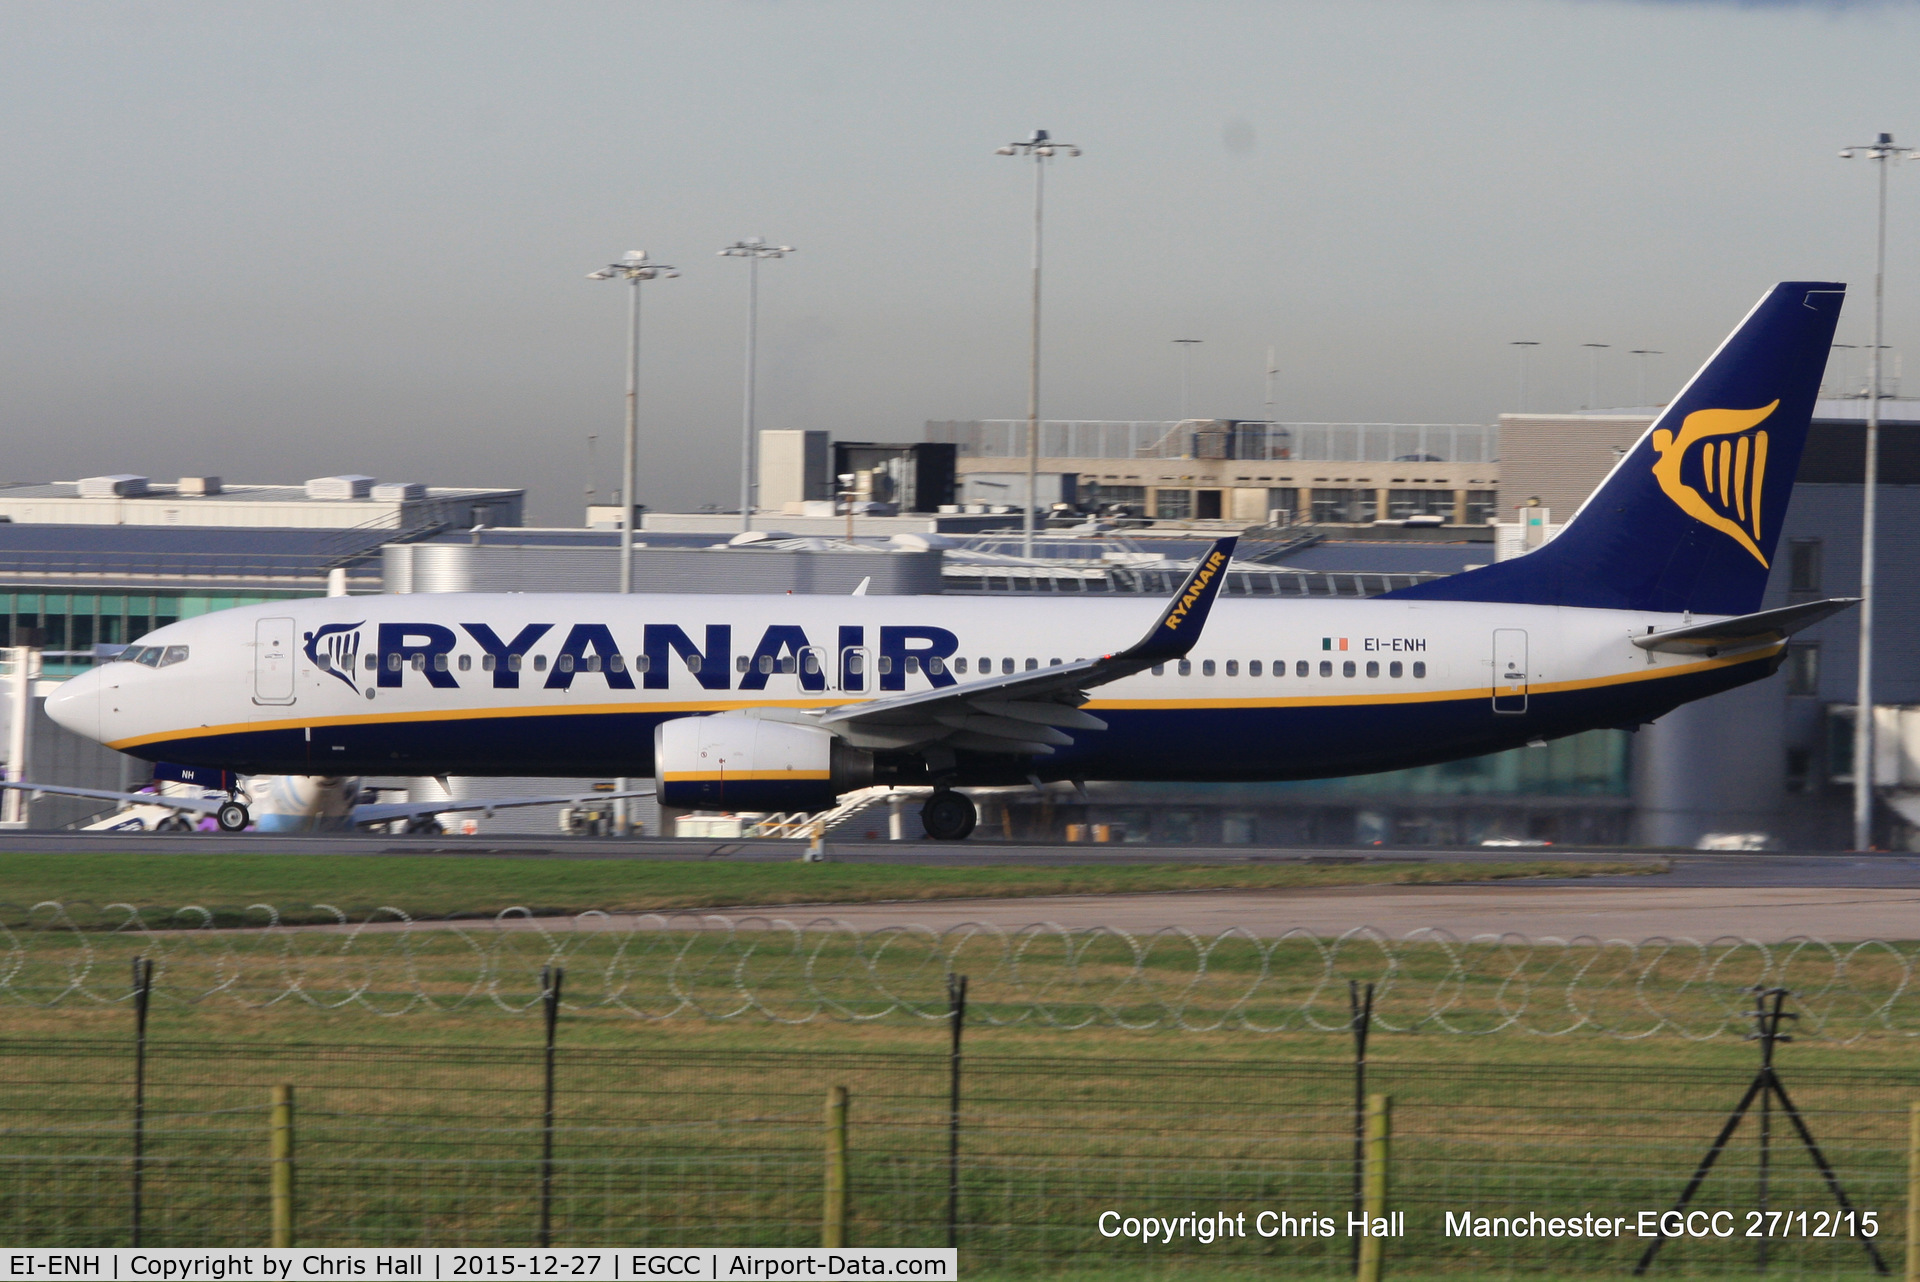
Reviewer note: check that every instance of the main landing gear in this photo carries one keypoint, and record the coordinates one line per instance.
(949, 815)
(232, 817)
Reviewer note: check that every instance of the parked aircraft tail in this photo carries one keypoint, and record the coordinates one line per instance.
(1688, 520)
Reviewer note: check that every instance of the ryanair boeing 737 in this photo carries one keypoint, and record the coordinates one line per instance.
(1646, 600)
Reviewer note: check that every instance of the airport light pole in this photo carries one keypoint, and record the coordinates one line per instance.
(633, 268)
(1526, 346)
(1881, 150)
(1642, 369)
(1593, 372)
(1041, 148)
(753, 249)
(1186, 346)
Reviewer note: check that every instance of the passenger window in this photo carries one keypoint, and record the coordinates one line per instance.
(593, 663)
(1159, 669)
(1347, 669)
(1253, 667)
(960, 666)
(564, 663)
(1206, 667)
(693, 663)
(886, 665)
(913, 664)
(1326, 667)
(1233, 668)
(640, 663)
(812, 664)
(370, 664)
(439, 663)
(742, 662)
(393, 663)
(1300, 668)
(1394, 669)
(1006, 667)
(936, 667)
(1419, 671)
(1373, 668)
(466, 663)
(175, 654)
(1033, 665)
(1053, 663)
(856, 663)
(419, 663)
(516, 662)
(766, 664)
(539, 663)
(616, 663)
(1186, 667)
(489, 662)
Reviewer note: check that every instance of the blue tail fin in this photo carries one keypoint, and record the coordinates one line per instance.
(1689, 518)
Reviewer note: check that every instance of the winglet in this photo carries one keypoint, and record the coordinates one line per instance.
(1177, 630)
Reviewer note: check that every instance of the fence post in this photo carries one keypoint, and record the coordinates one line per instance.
(1913, 1192)
(833, 1222)
(281, 1148)
(1379, 1129)
(957, 1017)
(551, 977)
(1361, 1010)
(142, 999)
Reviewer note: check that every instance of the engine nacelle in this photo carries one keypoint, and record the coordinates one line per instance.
(733, 762)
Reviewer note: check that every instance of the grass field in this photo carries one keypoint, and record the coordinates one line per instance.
(437, 886)
(416, 1058)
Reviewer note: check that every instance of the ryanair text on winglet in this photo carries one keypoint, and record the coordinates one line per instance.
(1198, 590)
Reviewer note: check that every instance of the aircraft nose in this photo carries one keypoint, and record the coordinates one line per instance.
(75, 705)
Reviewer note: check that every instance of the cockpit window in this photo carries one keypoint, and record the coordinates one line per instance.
(147, 654)
(174, 654)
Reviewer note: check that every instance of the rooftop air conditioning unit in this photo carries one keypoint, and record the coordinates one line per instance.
(121, 485)
(335, 489)
(201, 485)
(400, 492)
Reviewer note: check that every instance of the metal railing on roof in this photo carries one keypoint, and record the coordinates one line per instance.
(1224, 439)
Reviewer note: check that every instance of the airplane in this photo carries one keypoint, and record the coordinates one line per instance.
(1647, 599)
(279, 803)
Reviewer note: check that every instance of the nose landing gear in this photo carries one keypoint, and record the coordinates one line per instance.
(949, 815)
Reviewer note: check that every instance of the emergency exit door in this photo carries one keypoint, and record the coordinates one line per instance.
(1509, 670)
(273, 661)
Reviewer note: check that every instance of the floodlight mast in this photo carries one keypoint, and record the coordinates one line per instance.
(753, 249)
(633, 268)
(1041, 147)
(1881, 150)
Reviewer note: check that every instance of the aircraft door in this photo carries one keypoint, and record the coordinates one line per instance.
(273, 661)
(1509, 670)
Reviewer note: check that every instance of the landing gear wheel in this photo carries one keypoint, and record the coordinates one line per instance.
(174, 823)
(428, 827)
(232, 817)
(949, 816)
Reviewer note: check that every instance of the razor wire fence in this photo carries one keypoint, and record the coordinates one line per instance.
(657, 967)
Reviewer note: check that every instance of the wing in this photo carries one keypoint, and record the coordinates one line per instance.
(193, 805)
(1028, 713)
(386, 811)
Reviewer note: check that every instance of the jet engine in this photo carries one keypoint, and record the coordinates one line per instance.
(733, 762)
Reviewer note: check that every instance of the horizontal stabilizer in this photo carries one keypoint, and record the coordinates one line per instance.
(1743, 630)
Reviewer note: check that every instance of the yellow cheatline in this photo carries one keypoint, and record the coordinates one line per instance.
(739, 776)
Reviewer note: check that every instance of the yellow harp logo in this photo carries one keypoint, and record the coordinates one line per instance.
(1730, 468)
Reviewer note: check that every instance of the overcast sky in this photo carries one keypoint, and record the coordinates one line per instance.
(278, 241)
